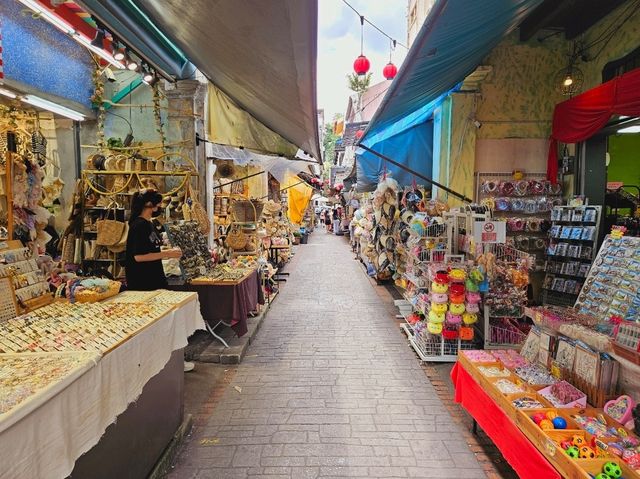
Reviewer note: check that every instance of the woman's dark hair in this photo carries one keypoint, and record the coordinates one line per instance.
(141, 199)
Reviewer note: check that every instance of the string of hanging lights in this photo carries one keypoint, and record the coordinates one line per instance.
(361, 65)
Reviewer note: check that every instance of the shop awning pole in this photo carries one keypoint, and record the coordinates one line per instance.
(239, 179)
(415, 173)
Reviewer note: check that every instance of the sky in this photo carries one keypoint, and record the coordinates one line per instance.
(339, 45)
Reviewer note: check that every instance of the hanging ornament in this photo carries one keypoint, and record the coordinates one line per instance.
(361, 65)
(359, 134)
(390, 70)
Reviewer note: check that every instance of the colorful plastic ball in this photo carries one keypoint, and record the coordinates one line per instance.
(612, 469)
(587, 453)
(566, 444)
(559, 423)
(537, 417)
(602, 475)
(578, 440)
(573, 452)
(551, 415)
(546, 425)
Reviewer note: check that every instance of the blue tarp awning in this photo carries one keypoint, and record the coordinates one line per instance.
(452, 42)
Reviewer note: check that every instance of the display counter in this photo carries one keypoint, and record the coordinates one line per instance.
(88, 382)
(536, 449)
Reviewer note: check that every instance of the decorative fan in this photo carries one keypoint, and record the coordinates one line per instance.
(569, 80)
(226, 170)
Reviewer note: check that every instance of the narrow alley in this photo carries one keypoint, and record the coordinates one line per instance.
(329, 389)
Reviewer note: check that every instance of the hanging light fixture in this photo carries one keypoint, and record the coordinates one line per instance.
(390, 70)
(361, 65)
(119, 51)
(147, 75)
(132, 65)
(569, 80)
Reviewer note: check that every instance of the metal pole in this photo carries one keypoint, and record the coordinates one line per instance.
(415, 173)
(239, 179)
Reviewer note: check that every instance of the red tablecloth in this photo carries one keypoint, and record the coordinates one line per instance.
(518, 451)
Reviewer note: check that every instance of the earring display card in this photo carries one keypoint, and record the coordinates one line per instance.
(613, 285)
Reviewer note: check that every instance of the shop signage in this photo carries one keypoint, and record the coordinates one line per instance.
(489, 232)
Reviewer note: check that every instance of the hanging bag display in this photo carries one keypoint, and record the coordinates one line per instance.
(198, 212)
(109, 230)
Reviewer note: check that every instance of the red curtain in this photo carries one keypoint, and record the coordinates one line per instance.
(583, 116)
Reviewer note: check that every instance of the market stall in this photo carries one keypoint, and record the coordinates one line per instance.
(67, 374)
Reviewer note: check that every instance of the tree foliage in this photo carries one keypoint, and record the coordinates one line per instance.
(359, 83)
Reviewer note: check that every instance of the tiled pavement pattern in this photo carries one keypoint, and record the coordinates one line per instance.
(329, 389)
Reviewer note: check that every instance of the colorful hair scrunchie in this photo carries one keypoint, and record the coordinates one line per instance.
(540, 243)
(502, 204)
(517, 204)
(507, 188)
(490, 187)
(530, 207)
(522, 187)
(533, 225)
(537, 187)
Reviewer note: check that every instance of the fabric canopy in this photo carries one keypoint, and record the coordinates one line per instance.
(299, 194)
(453, 40)
(261, 54)
(583, 116)
(413, 148)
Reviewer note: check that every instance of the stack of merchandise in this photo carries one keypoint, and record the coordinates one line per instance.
(386, 212)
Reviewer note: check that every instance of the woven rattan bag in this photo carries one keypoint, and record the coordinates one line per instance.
(236, 239)
(110, 231)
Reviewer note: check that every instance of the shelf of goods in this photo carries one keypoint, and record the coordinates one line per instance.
(573, 240)
(505, 324)
(524, 204)
(67, 377)
(506, 396)
(445, 306)
(106, 195)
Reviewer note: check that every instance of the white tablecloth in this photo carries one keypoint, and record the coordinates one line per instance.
(47, 442)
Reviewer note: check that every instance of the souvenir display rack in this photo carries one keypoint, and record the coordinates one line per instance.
(612, 287)
(523, 204)
(6, 185)
(525, 406)
(196, 258)
(505, 323)
(28, 285)
(573, 240)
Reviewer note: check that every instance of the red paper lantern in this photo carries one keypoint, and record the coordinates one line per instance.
(359, 134)
(389, 71)
(361, 65)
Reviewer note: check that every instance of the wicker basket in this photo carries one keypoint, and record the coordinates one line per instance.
(88, 296)
(246, 211)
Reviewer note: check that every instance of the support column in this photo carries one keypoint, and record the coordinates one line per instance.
(186, 101)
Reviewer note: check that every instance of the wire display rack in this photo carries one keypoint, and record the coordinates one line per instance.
(434, 348)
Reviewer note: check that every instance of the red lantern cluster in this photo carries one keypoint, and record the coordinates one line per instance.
(361, 65)
(389, 71)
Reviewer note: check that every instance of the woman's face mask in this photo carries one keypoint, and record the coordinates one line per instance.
(156, 211)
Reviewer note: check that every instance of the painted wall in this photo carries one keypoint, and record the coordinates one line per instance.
(517, 99)
(624, 151)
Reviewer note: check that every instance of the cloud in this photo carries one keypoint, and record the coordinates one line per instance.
(339, 45)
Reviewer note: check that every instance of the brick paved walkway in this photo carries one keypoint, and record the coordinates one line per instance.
(329, 389)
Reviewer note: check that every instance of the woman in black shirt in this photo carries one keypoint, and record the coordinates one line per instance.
(143, 262)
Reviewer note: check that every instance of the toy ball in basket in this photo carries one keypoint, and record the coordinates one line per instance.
(92, 290)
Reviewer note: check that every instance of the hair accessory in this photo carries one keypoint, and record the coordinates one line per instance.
(555, 189)
(517, 204)
(533, 225)
(530, 207)
(490, 187)
(515, 224)
(544, 205)
(489, 203)
(521, 187)
(502, 204)
(540, 243)
(536, 187)
(507, 188)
